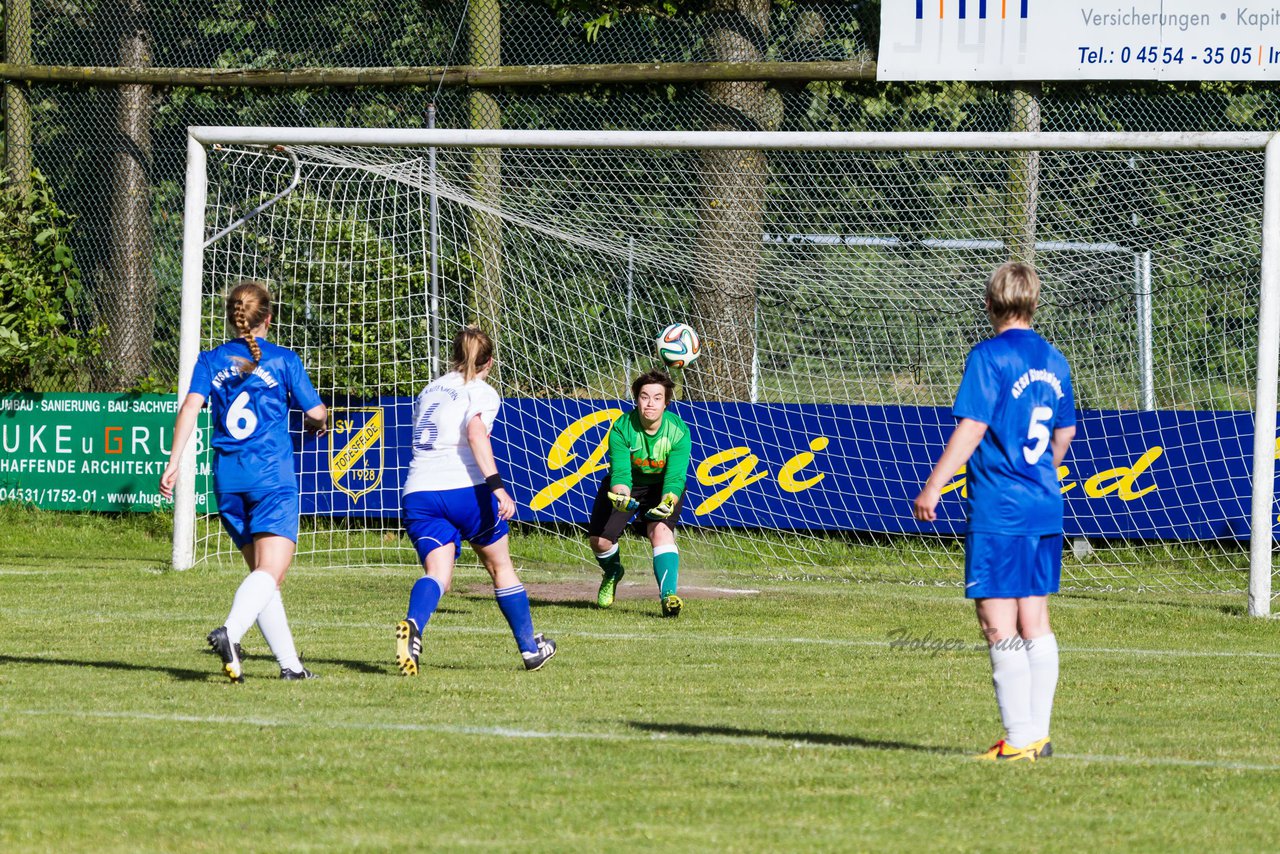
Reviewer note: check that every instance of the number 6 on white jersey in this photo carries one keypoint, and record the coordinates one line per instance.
(241, 420)
(1038, 432)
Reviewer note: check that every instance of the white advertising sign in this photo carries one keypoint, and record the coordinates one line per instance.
(1074, 40)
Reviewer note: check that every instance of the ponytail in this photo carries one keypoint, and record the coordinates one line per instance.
(472, 349)
(248, 307)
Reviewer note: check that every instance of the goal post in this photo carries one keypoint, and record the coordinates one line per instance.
(825, 386)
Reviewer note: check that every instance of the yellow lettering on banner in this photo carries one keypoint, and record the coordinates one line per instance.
(960, 483)
(1121, 478)
(1063, 471)
(736, 475)
(561, 454)
(787, 475)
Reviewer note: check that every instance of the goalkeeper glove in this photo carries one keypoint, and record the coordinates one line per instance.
(664, 509)
(623, 503)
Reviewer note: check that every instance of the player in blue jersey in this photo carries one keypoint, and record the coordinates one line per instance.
(250, 384)
(1016, 419)
(453, 492)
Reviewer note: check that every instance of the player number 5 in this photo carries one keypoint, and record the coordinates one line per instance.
(1037, 432)
(241, 422)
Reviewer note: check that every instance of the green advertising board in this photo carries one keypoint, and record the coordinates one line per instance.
(91, 451)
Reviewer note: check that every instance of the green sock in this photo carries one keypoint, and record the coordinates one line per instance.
(666, 568)
(611, 563)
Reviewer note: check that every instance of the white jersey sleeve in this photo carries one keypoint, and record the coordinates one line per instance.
(442, 457)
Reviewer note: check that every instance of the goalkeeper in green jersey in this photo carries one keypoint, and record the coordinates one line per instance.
(648, 462)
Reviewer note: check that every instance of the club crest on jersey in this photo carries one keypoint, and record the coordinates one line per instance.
(355, 449)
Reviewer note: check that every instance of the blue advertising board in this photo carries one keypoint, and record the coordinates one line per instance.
(1139, 475)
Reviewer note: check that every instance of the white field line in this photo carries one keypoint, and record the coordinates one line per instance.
(929, 645)
(569, 735)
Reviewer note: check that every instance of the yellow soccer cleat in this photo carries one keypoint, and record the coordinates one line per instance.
(1001, 752)
(1043, 747)
(671, 605)
(408, 647)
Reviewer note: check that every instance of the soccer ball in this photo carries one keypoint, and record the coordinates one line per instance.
(678, 345)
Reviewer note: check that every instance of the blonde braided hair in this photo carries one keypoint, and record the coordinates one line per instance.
(248, 307)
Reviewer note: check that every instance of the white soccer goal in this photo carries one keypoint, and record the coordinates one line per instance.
(836, 280)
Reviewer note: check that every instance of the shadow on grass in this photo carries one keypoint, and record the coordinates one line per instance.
(794, 736)
(311, 661)
(578, 604)
(182, 674)
(1209, 602)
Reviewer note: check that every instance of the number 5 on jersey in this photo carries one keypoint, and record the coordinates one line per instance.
(1037, 432)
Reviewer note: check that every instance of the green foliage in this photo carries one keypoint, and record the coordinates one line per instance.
(355, 297)
(40, 284)
(601, 15)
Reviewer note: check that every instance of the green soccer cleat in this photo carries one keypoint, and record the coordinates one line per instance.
(408, 647)
(671, 605)
(1002, 752)
(608, 587)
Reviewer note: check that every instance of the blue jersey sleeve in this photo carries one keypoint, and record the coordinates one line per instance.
(301, 391)
(1066, 405)
(979, 389)
(201, 377)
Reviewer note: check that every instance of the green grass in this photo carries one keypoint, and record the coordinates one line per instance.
(776, 721)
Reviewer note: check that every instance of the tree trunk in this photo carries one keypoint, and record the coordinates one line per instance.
(17, 113)
(484, 33)
(1024, 179)
(130, 282)
(732, 199)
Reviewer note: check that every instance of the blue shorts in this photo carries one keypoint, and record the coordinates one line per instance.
(1000, 566)
(434, 519)
(259, 511)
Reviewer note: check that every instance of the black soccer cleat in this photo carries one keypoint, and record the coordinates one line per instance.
(290, 675)
(546, 649)
(228, 652)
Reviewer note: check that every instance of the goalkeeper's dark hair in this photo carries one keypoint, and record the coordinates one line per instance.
(1013, 292)
(248, 307)
(654, 377)
(472, 350)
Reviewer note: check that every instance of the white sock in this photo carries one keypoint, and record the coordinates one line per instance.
(1011, 675)
(251, 597)
(274, 626)
(1042, 654)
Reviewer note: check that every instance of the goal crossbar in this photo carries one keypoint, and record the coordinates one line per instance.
(1268, 331)
(733, 140)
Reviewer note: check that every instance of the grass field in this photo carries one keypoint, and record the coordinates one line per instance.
(784, 719)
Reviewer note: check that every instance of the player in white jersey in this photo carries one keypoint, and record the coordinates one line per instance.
(453, 492)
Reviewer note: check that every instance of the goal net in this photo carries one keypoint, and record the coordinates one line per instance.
(837, 284)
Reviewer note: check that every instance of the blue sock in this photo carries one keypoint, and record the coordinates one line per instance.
(423, 599)
(514, 602)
